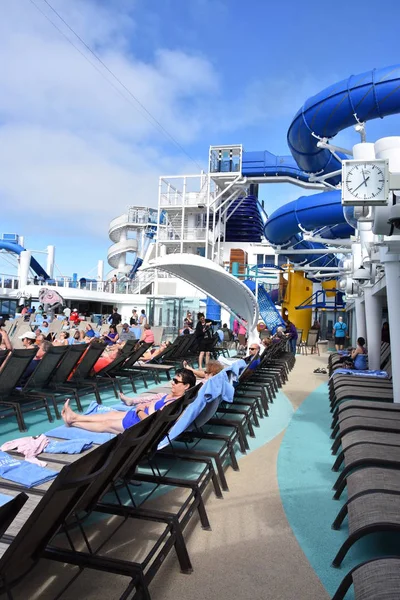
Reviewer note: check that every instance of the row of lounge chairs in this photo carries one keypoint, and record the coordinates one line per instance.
(366, 439)
(99, 483)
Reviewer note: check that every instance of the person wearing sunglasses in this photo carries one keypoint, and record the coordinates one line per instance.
(115, 421)
(253, 360)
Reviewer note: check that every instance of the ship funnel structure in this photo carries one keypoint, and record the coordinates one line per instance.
(132, 234)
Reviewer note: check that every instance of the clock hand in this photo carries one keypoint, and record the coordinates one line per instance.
(362, 183)
(363, 174)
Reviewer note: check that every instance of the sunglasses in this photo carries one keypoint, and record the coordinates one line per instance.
(253, 349)
(176, 381)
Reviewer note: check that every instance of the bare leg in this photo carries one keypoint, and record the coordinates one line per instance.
(110, 422)
(126, 400)
(201, 356)
(207, 357)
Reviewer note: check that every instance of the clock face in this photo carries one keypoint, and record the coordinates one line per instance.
(365, 181)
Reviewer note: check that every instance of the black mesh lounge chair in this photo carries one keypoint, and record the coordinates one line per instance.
(37, 384)
(107, 376)
(360, 405)
(377, 579)
(133, 446)
(49, 517)
(388, 425)
(187, 444)
(126, 369)
(9, 511)
(366, 481)
(392, 411)
(361, 456)
(360, 436)
(10, 374)
(3, 356)
(81, 377)
(364, 391)
(370, 513)
(67, 365)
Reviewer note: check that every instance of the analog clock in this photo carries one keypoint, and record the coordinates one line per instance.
(365, 182)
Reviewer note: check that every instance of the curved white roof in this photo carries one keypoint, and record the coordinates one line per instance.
(213, 280)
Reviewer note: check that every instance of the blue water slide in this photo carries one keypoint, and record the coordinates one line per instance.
(266, 164)
(17, 249)
(360, 98)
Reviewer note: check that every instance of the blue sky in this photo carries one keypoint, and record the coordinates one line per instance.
(74, 153)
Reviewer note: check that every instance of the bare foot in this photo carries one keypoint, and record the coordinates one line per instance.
(126, 400)
(67, 414)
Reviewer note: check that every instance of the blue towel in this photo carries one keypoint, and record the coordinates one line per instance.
(235, 369)
(380, 374)
(94, 408)
(67, 447)
(74, 433)
(218, 387)
(23, 472)
(4, 499)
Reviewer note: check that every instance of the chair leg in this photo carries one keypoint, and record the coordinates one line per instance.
(20, 418)
(48, 411)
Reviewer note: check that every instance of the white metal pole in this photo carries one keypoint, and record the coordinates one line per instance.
(392, 270)
(51, 250)
(24, 266)
(373, 314)
(183, 213)
(361, 326)
(100, 270)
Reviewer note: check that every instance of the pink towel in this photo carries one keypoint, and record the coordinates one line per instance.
(30, 447)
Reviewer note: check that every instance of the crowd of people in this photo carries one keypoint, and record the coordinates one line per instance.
(71, 332)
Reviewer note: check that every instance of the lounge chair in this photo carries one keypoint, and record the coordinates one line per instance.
(377, 410)
(361, 436)
(9, 510)
(370, 513)
(3, 356)
(37, 385)
(364, 455)
(367, 481)
(10, 375)
(377, 579)
(388, 425)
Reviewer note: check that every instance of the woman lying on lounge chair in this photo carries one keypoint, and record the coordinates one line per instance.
(212, 368)
(116, 421)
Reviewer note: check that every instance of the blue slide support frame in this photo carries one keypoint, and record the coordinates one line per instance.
(17, 249)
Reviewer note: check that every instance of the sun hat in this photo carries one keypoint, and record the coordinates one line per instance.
(28, 334)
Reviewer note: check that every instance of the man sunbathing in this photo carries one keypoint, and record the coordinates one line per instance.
(116, 421)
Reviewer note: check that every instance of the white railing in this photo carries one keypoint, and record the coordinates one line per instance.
(178, 199)
(11, 282)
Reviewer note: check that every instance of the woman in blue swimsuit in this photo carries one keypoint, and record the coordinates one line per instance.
(116, 421)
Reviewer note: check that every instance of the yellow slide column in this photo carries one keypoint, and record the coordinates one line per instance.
(298, 289)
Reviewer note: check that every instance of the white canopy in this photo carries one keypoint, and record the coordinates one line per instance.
(213, 280)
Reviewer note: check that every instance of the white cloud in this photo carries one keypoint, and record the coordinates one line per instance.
(68, 142)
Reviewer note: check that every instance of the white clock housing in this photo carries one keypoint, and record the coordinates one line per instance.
(365, 182)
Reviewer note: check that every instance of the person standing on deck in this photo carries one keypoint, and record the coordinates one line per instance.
(339, 332)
